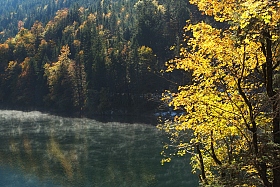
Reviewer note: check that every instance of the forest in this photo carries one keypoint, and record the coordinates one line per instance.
(87, 58)
(216, 62)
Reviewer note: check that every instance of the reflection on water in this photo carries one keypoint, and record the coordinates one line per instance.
(41, 150)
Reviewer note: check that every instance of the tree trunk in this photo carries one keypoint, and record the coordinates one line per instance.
(203, 176)
(268, 70)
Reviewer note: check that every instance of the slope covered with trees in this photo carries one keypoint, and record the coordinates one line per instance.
(81, 57)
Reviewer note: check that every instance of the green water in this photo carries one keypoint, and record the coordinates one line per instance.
(42, 150)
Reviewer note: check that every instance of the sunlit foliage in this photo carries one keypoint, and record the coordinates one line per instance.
(229, 113)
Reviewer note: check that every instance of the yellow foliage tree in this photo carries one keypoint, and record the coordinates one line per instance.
(230, 119)
(54, 71)
(59, 81)
(67, 80)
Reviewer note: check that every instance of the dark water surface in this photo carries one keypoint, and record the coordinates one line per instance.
(39, 150)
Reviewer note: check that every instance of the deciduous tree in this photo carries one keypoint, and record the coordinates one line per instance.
(229, 119)
(59, 80)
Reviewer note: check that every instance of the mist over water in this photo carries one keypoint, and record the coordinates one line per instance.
(43, 150)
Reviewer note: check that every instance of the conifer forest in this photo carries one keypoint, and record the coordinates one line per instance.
(89, 57)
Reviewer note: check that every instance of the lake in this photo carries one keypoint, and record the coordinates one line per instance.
(43, 150)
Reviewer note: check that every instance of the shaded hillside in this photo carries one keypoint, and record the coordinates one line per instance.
(99, 58)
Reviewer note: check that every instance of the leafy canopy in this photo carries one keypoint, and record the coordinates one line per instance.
(229, 108)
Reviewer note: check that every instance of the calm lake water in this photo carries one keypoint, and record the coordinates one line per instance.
(39, 150)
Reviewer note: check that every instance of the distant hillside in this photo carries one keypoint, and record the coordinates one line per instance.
(81, 58)
(28, 11)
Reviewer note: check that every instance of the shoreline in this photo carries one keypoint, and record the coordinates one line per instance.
(122, 117)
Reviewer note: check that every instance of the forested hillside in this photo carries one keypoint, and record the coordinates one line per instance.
(16, 12)
(89, 57)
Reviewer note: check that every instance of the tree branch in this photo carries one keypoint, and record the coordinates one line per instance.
(213, 151)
